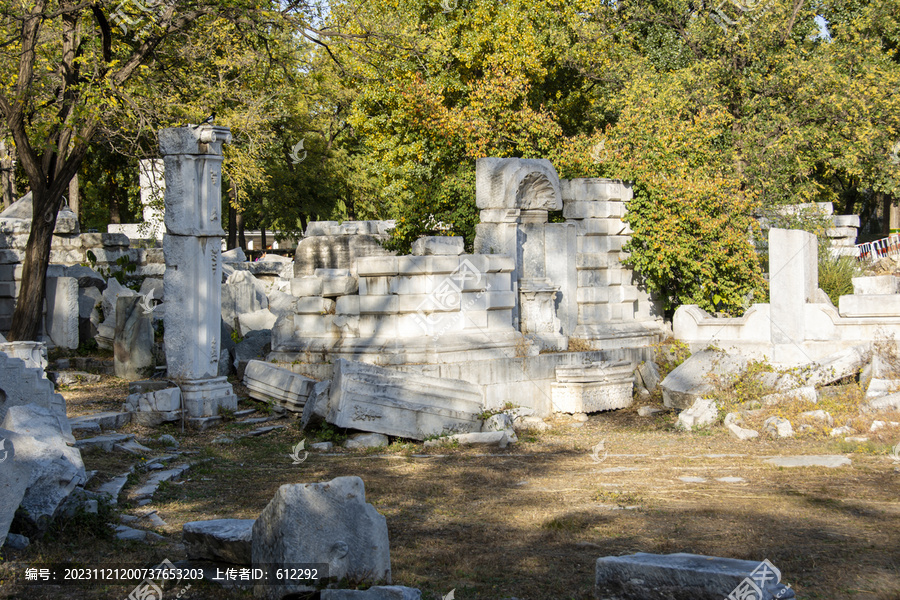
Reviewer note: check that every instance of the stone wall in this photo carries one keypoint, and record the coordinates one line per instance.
(70, 250)
(612, 303)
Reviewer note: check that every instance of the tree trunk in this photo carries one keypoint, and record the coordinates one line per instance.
(232, 227)
(26, 321)
(262, 238)
(239, 220)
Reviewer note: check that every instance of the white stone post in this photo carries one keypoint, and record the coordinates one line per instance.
(793, 280)
(193, 277)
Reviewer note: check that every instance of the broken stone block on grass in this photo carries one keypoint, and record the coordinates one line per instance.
(227, 540)
(56, 468)
(486, 438)
(828, 461)
(14, 479)
(366, 440)
(778, 427)
(277, 386)
(683, 576)
(380, 400)
(734, 424)
(702, 412)
(693, 379)
(803, 394)
(315, 523)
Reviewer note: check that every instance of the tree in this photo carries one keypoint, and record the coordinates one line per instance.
(66, 65)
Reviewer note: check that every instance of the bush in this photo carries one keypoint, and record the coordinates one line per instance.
(836, 275)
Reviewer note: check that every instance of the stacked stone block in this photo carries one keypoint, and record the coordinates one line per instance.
(405, 297)
(608, 294)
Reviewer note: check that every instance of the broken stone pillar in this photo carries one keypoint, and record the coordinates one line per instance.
(193, 247)
(133, 345)
(793, 281)
(537, 309)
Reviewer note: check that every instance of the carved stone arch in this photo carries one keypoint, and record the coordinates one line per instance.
(536, 192)
(517, 184)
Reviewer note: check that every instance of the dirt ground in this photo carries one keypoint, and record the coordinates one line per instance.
(527, 522)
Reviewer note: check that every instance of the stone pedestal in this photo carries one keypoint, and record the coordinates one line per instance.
(193, 276)
(537, 302)
(591, 388)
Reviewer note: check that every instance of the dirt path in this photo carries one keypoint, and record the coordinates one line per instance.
(529, 522)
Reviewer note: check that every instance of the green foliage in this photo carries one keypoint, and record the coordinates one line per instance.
(327, 432)
(444, 207)
(836, 275)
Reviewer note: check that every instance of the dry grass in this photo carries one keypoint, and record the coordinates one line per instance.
(530, 521)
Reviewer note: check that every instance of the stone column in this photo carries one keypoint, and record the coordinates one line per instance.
(793, 280)
(193, 277)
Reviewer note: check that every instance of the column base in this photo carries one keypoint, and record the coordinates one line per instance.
(207, 397)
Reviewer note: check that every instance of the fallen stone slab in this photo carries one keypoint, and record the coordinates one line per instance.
(276, 385)
(316, 408)
(380, 400)
(683, 576)
(131, 447)
(104, 442)
(56, 468)
(839, 365)
(89, 426)
(830, 461)
(486, 438)
(691, 380)
(113, 487)
(386, 592)
(125, 533)
(649, 411)
(146, 491)
(227, 540)
(327, 522)
(649, 375)
(263, 430)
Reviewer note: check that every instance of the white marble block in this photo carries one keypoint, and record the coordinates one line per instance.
(381, 400)
(591, 388)
(62, 311)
